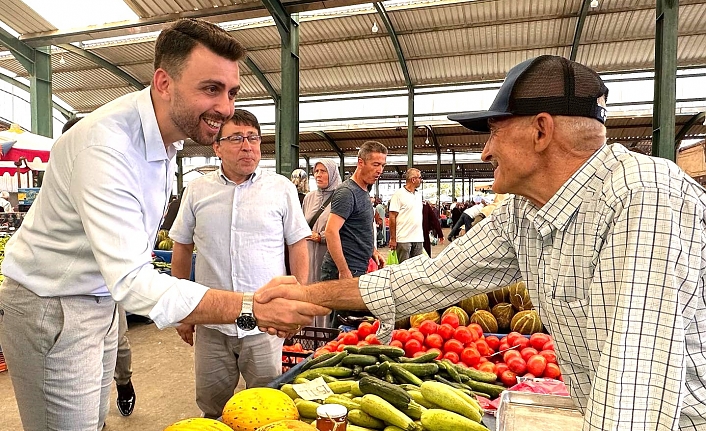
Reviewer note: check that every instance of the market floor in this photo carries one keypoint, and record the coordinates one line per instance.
(163, 376)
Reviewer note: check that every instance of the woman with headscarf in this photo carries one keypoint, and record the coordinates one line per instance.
(327, 179)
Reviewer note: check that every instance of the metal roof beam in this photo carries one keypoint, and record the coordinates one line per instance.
(262, 78)
(579, 29)
(12, 81)
(21, 51)
(88, 55)
(696, 118)
(395, 42)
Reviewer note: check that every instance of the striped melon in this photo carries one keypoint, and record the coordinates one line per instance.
(526, 322)
(499, 296)
(474, 303)
(417, 319)
(486, 320)
(503, 313)
(198, 424)
(519, 297)
(458, 311)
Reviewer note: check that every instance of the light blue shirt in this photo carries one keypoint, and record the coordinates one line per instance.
(92, 227)
(240, 231)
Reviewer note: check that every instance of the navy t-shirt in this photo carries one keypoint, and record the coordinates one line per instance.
(352, 203)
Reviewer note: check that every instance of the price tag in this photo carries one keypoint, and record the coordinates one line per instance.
(316, 389)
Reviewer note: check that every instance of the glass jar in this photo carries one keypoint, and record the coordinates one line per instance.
(331, 417)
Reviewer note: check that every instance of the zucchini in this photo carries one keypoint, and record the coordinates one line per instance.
(393, 394)
(362, 419)
(420, 370)
(419, 399)
(392, 428)
(351, 427)
(328, 371)
(478, 376)
(427, 357)
(414, 412)
(444, 420)
(355, 389)
(357, 359)
(289, 390)
(381, 409)
(300, 380)
(330, 362)
(469, 399)
(340, 386)
(378, 349)
(493, 390)
(311, 362)
(306, 408)
(344, 401)
(404, 375)
(445, 397)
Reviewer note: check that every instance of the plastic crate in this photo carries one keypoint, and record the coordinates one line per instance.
(311, 338)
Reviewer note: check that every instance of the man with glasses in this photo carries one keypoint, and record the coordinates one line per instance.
(406, 231)
(239, 217)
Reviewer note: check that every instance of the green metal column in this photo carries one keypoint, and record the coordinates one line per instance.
(410, 127)
(308, 164)
(453, 174)
(665, 98)
(40, 93)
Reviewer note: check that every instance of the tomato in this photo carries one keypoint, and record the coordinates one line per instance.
(297, 347)
(517, 365)
(478, 330)
(523, 343)
(340, 347)
(482, 359)
(451, 356)
(376, 326)
(322, 351)
(528, 352)
(511, 354)
(435, 341)
(470, 356)
(428, 327)
(487, 367)
(483, 348)
(513, 337)
(503, 346)
(411, 347)
(508, 378)
(451, 319)
(536, 364)
(500, 368)
(403, 336)
(354, 332)
(453, 345)
(437, 351)
(365, 329)
(416, 335)
(464, 335)
(361, 343)
(552, 371)
(372, 339)
(462, 364)
(349, 338)
(539, 339)
(549, 355)
(548, 346)
(445, 330)
(493, 342)
(396, 343)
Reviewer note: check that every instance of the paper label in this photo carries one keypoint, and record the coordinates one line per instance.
(316, 389)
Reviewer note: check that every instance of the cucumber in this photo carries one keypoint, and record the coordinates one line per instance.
(381, 409)
(419, 399)
(355, 389)
(311, 362)
(493, 390)
(344, 401)
(362, 419)
(478, 376)
(352, 349)
(393, 394)
(330, 362)
(341, 386)
(444, 420)
(306, 408)
(357, 369)
(445, 397)
(376, 350)
(427, 357)
(451, 369)
(385, 358)
(357, 359)
(420, 370)
(300, 380)
(328, 371)
(389, 378)
(404, 375)
(289, 390)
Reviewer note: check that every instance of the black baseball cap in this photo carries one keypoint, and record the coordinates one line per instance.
(547, 83)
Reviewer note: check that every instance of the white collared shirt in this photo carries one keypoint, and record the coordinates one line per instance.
(91, 229)
(240, 231)
(408, 206)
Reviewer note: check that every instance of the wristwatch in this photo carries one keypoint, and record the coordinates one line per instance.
(246, 321)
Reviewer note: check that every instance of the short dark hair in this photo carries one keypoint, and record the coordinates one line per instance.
(175, 43)
(370, 147)
(69, 124)
(241, 117)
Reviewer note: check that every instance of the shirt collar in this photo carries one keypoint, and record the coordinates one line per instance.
(255, 176)
(154, 145)
(560, 209)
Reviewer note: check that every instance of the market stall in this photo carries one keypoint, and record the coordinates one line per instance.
(23, 155)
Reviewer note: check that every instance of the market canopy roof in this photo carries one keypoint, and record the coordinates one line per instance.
(442, 42)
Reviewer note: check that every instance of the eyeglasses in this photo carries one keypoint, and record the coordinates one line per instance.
(239, 139)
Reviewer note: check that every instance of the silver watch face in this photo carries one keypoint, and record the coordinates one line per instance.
(246, 322)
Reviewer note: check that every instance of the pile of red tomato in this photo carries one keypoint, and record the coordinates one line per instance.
(512, 356)
(291, 360)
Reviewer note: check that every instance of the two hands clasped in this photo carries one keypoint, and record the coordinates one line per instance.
(281, 308)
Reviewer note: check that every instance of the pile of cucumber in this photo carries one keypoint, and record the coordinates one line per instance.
(383, 390)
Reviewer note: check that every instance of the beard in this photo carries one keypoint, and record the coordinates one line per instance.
(190, 123)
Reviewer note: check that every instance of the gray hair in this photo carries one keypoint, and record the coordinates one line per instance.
(370, 147)
(410, 172)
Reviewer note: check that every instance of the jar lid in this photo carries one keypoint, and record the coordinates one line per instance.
(331, 411)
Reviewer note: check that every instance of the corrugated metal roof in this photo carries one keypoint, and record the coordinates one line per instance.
(22, 18)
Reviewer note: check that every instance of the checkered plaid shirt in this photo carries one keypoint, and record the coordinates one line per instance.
(615, 266)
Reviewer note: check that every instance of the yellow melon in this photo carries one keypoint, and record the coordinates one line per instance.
(287, 425)
(255, 407)
(198, 424)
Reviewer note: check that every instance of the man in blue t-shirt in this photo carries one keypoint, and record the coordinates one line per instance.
(350, 234)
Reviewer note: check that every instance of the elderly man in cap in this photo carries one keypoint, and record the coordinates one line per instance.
(610, 243)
